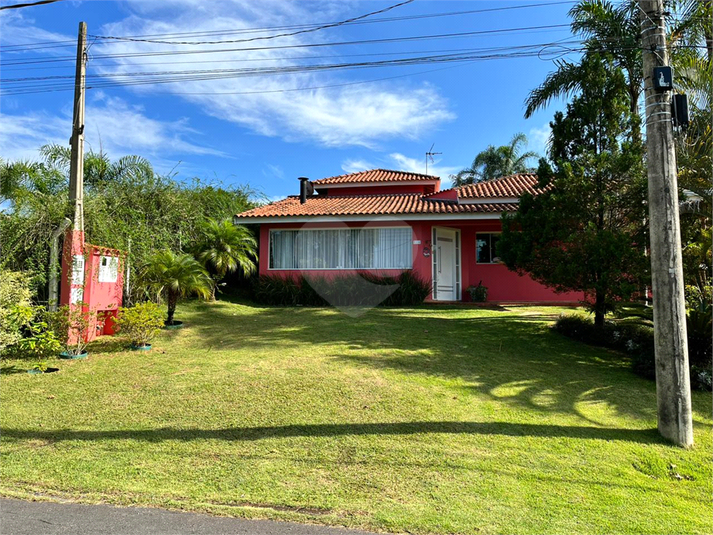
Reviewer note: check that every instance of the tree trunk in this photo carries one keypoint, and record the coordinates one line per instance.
(172, 302)
(599, 309)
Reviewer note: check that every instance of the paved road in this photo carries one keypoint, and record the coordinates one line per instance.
(19, 517)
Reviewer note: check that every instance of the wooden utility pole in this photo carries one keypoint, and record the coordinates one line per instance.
(76, 166)
(673, 386)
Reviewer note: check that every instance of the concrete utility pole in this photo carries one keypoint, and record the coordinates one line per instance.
(76, 166)
(673, 386)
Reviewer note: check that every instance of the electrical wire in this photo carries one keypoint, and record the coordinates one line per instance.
(301, 45)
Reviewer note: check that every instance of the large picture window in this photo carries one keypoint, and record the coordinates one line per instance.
(485, 245)
(369, 248)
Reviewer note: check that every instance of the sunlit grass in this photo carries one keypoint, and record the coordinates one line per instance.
(427, 419)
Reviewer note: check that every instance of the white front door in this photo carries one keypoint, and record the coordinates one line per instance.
(446, 265)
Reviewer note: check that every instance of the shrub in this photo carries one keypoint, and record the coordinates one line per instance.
(478, 294)
(357, 289)
(140, 323)
(699, 325)
(41, 342)
(71, 325)
(637, 341)
(15, 307)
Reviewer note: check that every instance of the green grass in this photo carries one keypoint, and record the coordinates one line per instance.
(428, 419)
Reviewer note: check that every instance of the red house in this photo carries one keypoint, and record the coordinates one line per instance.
(391, 221)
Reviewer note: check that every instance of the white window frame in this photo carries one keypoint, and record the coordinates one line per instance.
(491, 263)
(269, 249)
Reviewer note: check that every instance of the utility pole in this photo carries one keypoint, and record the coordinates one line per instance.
(673, 386)
(76, 166)
(73, 262)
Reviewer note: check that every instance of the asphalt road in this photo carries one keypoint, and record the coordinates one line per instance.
(18, 517)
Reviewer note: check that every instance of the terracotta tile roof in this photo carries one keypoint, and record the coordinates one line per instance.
(374, 176)
(393, 204)
(507, 186)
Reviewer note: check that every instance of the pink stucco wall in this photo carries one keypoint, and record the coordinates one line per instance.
(503, 284)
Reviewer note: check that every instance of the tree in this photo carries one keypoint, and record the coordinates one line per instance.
(585, 232)
(171, 276)
(495, 162)
(135, 210)
(606, 28)
(226, 248)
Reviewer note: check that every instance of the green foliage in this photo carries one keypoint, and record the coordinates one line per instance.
(126, 206)
(140, 323)
(496, 162)
(478, 294)
(15, 309)
(226, 248)
(359, 289)
(637, 341)
(71, 325)
(40, 342)
(699, 326)
(585, 232)
(40, 366)
(172, 276)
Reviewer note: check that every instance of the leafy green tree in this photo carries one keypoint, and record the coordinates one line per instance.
(584, 233)
(495, 162)
(134, 210)
(171, 276)
(226, 248)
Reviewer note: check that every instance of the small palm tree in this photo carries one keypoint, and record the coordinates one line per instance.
(227, 248)
(495, 162)
(172, 276)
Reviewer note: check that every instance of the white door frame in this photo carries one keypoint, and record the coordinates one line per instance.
(457, 265)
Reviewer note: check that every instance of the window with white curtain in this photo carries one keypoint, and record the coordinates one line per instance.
(368, 248)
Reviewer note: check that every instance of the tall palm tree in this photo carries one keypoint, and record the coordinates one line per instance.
(172, 276)
(495, 162)
(98, 167)
(606, 28)
(227, 248)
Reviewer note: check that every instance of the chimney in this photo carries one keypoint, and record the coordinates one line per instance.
(306, 189)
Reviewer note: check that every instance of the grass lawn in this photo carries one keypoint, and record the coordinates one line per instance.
(428, 419)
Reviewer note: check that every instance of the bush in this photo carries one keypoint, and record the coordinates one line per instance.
(15, 307)
(71, 325)
(637, 341)
(41, 342)
(478, 294)
(360, 289)
(140, 323)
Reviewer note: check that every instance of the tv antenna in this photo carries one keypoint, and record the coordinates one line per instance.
(429, 156)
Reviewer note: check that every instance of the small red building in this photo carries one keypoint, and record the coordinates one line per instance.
(390, 221)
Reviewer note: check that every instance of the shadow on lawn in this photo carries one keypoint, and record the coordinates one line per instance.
(508, 355)
(649, 436)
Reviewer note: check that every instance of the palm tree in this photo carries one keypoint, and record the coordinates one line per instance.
(172, 276)
(495, 162)
(227, 248)
(605, 29)
(98, 167)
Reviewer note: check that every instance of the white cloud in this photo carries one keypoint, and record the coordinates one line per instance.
(539, 138)
(359, 115)
(415, 165)
(112, 125)
(400, 162)
(354, 166)
(273, 171)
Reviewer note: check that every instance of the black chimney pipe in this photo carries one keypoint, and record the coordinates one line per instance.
(305, 189)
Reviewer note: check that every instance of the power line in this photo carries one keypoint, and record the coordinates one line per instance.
(29, 4)
(354, 21)
(289, 34)
(312, 27)
(302, 45)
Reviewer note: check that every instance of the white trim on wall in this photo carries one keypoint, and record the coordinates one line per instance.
(367, 218)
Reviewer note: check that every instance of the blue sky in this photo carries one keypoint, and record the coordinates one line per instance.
(266, 137)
